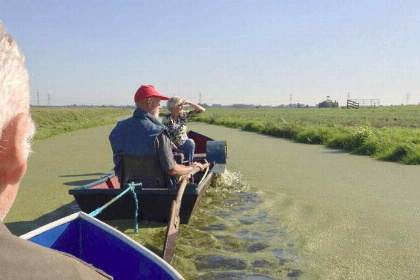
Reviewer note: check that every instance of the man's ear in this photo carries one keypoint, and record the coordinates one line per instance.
(13, 161)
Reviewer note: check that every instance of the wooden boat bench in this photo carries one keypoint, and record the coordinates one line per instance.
(145, 169)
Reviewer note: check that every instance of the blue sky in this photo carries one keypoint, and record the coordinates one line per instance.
(253, 52)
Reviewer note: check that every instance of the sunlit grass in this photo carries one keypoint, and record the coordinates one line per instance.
(385, 133)
(55, 121)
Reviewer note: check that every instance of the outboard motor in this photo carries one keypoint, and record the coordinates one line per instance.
(216, 151)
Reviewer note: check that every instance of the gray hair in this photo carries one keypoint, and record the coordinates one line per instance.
(14, 86)
(173, 101)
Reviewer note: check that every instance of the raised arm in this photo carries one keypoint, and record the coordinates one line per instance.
(195, 106)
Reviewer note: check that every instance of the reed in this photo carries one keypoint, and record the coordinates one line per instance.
(385, 133)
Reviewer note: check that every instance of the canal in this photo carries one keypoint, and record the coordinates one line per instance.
(282, 211)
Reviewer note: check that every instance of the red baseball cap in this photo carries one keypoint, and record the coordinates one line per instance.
(146, 91)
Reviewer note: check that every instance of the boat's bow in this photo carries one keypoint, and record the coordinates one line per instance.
(102, 246)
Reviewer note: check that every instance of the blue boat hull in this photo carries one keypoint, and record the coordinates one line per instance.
(103, 247)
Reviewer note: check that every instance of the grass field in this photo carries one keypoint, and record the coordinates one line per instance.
(55, 121)
(385, 133)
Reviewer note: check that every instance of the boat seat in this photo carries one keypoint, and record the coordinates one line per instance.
(146, 170)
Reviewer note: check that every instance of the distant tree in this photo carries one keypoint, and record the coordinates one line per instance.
(328, 104)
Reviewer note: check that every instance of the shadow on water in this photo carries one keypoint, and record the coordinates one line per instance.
(22, 227)
(82, 182)
(81, 175)
(334, 151)
(79, 183)
(19, 228)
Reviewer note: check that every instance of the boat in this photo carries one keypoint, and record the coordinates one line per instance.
(154, 204)
(102, 246)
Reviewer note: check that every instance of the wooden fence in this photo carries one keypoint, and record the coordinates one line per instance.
(357, 103)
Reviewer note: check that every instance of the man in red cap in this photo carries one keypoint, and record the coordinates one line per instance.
(148, 99)
(144, 136)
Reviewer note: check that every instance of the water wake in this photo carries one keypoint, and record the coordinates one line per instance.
(231, 237)
(228, 182)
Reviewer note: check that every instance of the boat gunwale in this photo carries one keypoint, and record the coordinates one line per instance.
(107, 228)
(86, 189)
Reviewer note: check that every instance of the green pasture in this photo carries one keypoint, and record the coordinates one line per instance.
(55, 121)
(386, 133)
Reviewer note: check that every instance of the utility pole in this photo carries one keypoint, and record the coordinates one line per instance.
(348, 95)
(291, 99)
(407, 98)
(199, 99)
(37, 98)
(49, 100)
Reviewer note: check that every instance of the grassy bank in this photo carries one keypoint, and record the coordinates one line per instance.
(55, 121)
(385, 133)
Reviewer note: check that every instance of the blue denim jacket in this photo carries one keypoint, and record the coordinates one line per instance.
(134, 136)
